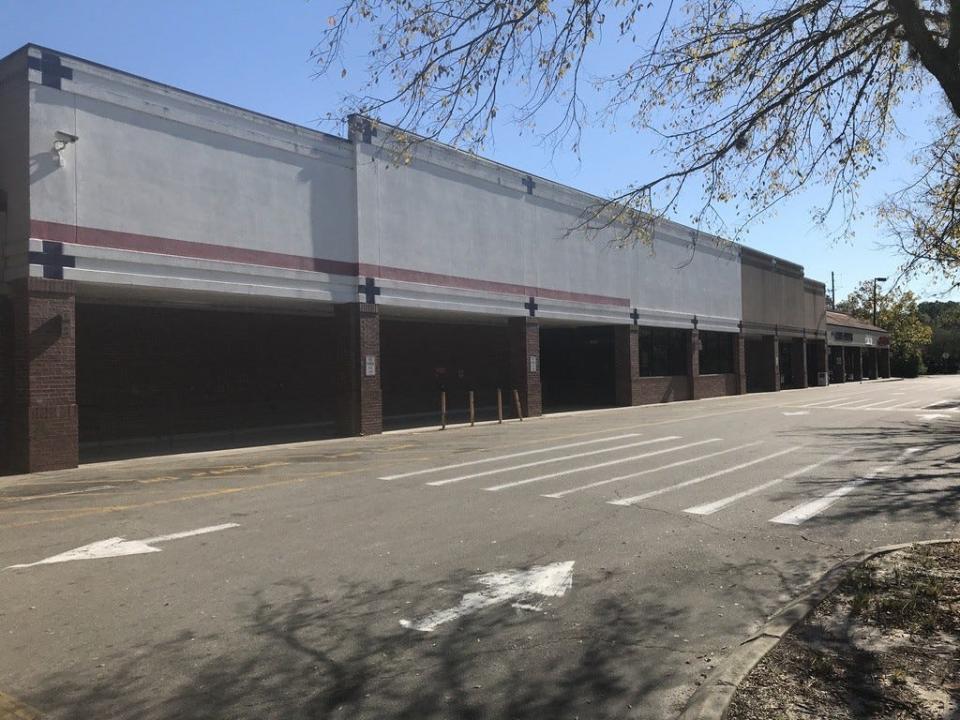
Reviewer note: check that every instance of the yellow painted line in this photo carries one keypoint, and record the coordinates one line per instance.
(34, 511)
(89, 512)
(13, 709)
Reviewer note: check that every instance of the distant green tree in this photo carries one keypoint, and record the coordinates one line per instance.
(943, 353)
(899, 314)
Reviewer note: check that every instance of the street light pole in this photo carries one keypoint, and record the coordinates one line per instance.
(875, 281)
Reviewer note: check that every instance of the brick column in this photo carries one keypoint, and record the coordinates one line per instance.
(740, 362)
(876, 363)
(6, 381)
(693, 361)
(359, 400)
(823, 353)
(626, 362)
(771, 351)
(798, 348)
(858, 365)
(843, 364)
(525, 363)
(42, 431)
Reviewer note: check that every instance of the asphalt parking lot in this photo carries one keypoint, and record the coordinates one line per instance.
(590, 565)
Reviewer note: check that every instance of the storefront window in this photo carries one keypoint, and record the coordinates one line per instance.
(716, 353)
(662, 351)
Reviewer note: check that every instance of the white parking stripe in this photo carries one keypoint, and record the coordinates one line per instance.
(564, 493)
(807, 510)
(882, 402)
(833, 400)
(670, 488)
(618, 461)
(496, 471)
(911, 404)
(508, 457)
(845, 404)
(710, 508)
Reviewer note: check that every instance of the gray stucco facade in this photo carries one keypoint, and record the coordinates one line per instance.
(123, 192)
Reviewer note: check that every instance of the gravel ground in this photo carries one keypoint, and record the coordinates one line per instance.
(886, 644)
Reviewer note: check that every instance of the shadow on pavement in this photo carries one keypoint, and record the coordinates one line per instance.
(299, 654)
(924, 488)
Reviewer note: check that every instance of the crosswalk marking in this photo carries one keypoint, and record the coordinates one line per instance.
(712, 507)
(877, 404)
(845, 404)
(805, 511)
(653, 493)
(909, 403)
(507, 457)
(564, 493)
(497, 471)
(618, 461)
(833, 400)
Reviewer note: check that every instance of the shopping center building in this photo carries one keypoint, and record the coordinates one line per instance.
(858, 350)
(175, 267)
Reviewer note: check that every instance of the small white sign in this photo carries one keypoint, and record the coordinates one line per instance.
(533, 363)
(370, 368)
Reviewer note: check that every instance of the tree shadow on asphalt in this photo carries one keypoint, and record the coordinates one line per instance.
(300, 654)
(912, 492)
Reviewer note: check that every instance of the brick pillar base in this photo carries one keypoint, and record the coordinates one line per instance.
(740, 362)
(693, 361)
(359, 401)
(771, 354)
(627, 364)
(42, 430)
(525, 363)
(798, 363)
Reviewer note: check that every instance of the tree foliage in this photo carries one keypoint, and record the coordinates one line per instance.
(898, 313)
(943, 352)
(754, 101)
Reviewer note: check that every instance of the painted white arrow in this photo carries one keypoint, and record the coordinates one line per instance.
(520, 586)
(799, 412)
(932, 416)
(117, 546)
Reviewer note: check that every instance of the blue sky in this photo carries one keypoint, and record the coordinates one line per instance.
(255, 54)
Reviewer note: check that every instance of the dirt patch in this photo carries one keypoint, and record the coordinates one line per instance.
(885, 644)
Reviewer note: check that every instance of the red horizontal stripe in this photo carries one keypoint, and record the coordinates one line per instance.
(60, 232)
(181, 248)
(429, 278)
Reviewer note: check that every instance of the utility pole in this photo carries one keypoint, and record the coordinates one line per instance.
(875, 281)
(833, 293)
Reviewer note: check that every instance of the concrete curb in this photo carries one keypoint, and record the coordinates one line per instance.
(711, 700)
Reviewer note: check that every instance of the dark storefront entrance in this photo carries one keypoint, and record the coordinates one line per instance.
(578, 367)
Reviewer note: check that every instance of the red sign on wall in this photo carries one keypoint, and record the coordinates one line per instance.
(883, 341)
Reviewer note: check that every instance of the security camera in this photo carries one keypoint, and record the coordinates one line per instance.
(60, 142)
(62, 139)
